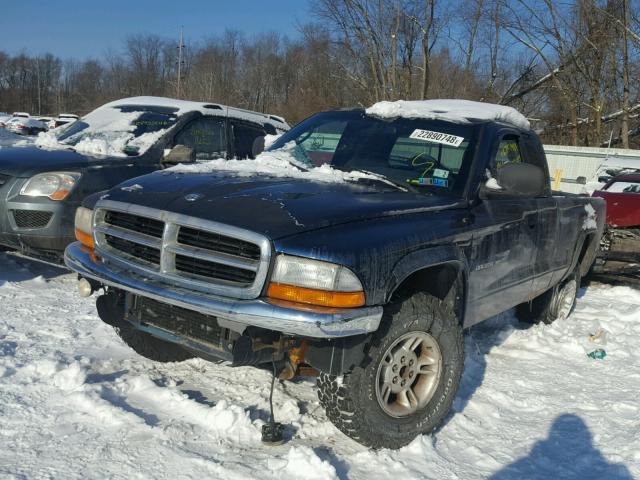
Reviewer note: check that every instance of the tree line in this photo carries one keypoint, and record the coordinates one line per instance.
(572, 67)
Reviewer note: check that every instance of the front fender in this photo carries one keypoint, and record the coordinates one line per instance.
(425, 258)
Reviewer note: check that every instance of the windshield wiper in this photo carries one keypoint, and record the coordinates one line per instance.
(376, 177)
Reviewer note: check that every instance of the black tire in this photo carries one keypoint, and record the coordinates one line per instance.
(552, 305)
(351, 401)
(151, 347)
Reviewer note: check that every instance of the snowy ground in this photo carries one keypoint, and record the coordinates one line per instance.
(75, 402)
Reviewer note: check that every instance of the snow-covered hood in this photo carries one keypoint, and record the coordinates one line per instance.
(276, 207)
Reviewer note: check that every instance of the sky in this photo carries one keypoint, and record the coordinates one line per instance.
(83, 29)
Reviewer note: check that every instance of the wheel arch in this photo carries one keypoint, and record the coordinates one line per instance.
(439, 271)
(586, 251)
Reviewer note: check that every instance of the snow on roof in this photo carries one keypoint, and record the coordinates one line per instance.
(185, 106)
(456, 111)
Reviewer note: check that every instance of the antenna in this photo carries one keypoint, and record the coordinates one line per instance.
(180, 48)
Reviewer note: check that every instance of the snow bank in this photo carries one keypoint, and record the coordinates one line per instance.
(302, 462)
(281, 163)
(456, 111)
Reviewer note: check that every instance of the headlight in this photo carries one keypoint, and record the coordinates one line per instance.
(83, 226)
(303, 280)
(55, 185)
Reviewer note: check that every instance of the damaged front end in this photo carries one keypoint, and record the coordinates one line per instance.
(216, 339)
(619, 254)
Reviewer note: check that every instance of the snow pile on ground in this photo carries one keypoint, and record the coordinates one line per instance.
(75, 402)
(279, 163)
(454, 110)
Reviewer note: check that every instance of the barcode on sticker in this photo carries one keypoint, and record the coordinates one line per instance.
(437, 137)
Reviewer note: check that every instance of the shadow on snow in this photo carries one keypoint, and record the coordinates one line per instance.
(568, 453)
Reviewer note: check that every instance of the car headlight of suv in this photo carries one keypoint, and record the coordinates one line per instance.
(313, 282)
(84, 226)
(55, 185)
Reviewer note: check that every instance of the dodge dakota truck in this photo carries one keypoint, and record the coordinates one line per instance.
(42, 185)
(359, 246)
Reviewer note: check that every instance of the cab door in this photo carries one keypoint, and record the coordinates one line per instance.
(549, 249)
(503, 252)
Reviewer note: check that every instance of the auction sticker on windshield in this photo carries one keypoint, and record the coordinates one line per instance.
(436, 137)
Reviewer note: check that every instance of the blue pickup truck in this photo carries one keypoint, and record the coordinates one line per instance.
(361, 244)
(41, 185)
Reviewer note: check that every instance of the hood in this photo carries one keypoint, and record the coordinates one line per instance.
(28, 161)
(276, 207)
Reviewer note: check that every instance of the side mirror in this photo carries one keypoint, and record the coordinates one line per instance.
(515, 180)
(179, 154)
(604, 178)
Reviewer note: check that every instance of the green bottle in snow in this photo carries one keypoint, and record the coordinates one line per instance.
(598, 354)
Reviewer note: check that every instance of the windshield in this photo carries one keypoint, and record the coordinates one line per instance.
(128, 130)
(430, 156)
(621, 186)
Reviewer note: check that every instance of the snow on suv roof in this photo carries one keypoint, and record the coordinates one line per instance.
(184, 106)
(456, 111)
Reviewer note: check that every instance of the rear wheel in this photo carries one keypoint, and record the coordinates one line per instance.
(556, 303)
(406, 385)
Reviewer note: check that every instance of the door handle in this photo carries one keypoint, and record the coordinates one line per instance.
(532, 222)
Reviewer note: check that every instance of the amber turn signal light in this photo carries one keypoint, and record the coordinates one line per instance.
(311, 296)
(85, 239)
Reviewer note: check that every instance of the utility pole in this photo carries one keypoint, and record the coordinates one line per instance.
(39, 94)
(180, 47)
(625, 75)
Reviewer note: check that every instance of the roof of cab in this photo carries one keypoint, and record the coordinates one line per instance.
(185, 106)
(450, 110)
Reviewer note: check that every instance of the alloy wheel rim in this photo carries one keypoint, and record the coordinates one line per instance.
(567, 295)
(408, 374)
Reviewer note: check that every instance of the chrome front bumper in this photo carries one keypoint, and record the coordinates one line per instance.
(242, 313)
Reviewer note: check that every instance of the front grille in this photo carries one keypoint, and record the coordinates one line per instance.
(31, 218)
(179, 321)
(188, 252)
(136, 223)
(218, 243)
(133, 249)
(203, 268)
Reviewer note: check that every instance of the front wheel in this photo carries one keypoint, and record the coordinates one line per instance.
(409, 380)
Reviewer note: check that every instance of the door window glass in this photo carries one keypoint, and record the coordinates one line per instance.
(245, 136)
(508, 152)
(206, 136)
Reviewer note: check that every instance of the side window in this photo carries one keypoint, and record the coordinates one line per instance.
(244, 138)
(508, 152)
(206, 136)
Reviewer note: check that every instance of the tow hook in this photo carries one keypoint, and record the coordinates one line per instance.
(295, 358)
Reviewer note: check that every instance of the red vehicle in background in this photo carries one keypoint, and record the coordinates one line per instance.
(619, 254)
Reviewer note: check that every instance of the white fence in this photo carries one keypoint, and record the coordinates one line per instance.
(566, 164)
